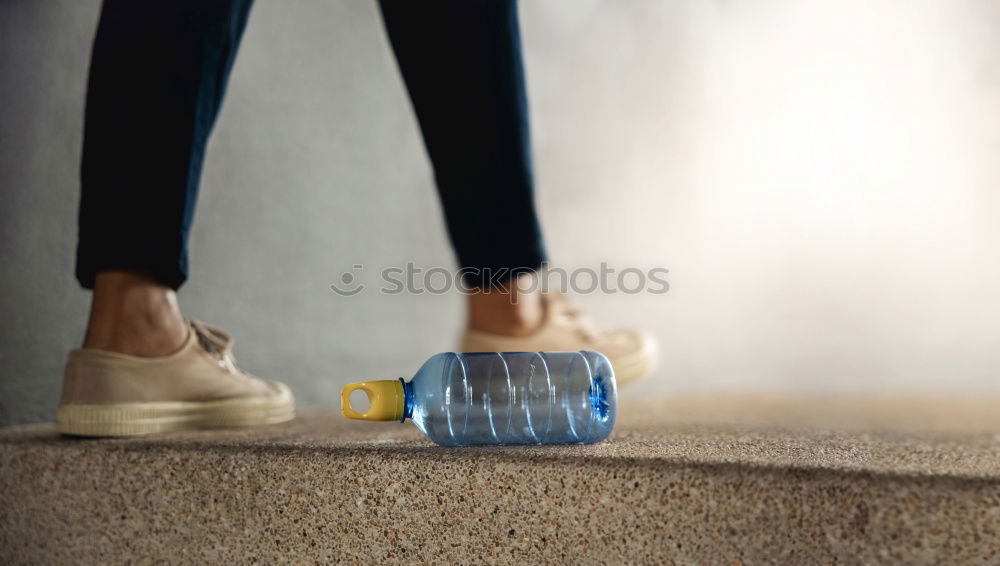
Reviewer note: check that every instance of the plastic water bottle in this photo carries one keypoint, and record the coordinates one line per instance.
(499, 398)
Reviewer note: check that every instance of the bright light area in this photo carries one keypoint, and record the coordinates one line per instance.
(818, 176)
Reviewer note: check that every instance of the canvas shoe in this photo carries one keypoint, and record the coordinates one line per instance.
(199, 386)
(632, 352)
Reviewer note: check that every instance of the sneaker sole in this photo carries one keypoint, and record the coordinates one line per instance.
(135, 419)
(629, 369)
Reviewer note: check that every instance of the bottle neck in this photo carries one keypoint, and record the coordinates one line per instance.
(407, 399)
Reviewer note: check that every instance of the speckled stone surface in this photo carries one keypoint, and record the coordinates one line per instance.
(748, 480)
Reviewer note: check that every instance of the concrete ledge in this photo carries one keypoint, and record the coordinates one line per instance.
(683, 480)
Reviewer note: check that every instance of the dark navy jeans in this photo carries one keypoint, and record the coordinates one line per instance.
(157, 79)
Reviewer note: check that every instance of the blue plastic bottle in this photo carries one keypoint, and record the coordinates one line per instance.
(499, 398)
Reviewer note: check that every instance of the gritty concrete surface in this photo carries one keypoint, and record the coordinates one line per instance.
(738, 480)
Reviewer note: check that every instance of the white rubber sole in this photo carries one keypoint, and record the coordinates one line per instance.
(627, 373)
(630, 369)
(134, 419)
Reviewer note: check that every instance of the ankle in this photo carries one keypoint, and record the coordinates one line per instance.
(133, 314)
(517, 312)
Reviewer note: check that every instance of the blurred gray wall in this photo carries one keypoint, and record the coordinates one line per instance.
(819, 177)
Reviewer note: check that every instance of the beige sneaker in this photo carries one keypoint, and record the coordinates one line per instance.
(199, 386)
(632, 352)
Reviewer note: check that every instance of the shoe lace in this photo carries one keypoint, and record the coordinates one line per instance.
(574, 317)
(219, 347)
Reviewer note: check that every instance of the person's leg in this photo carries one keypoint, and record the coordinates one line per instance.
(461, 60)
(157, 77)
(133, 314)
(462, 65)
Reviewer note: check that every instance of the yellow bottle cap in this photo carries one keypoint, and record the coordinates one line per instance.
(385, 399)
